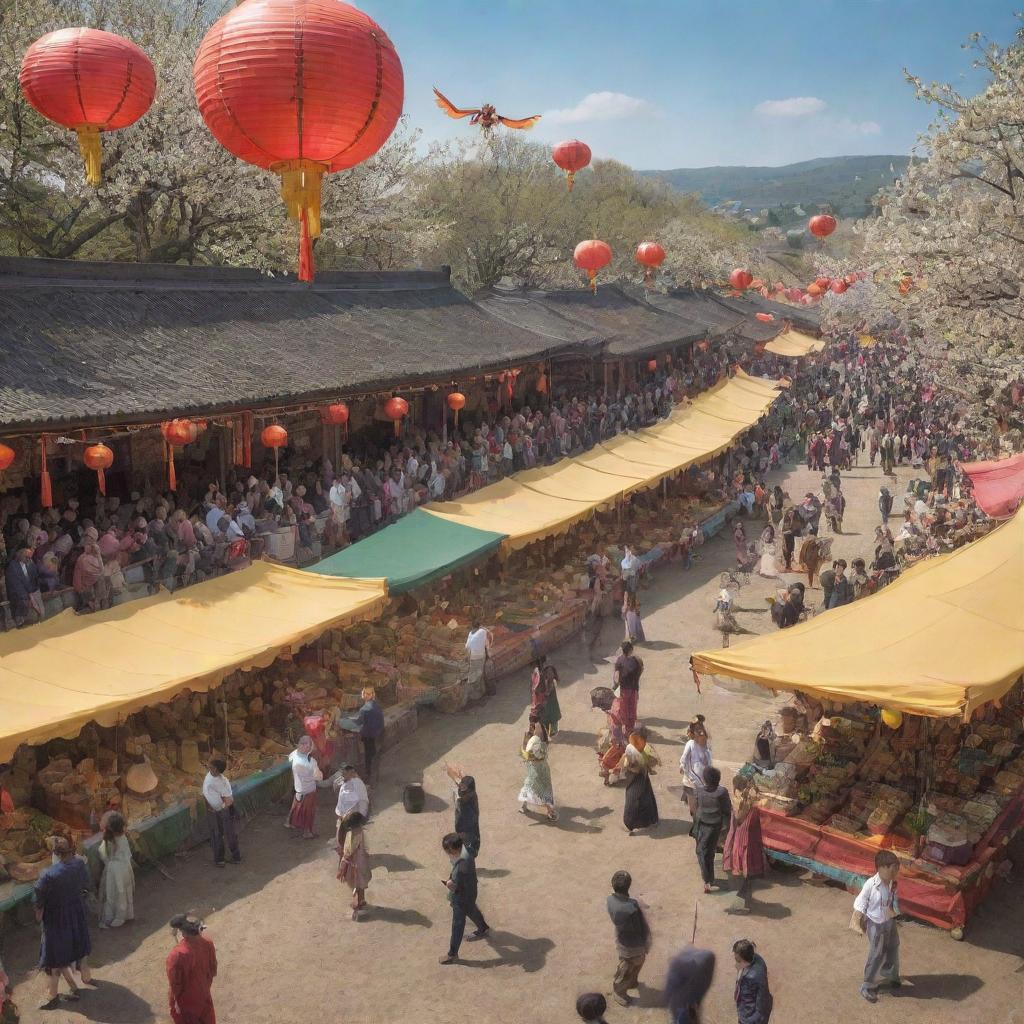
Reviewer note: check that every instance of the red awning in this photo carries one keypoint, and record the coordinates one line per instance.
(998, 484)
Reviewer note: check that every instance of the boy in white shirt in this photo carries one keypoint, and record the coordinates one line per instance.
(874, 912)
(220, 804)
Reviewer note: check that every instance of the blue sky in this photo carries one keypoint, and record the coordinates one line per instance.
(691, 83)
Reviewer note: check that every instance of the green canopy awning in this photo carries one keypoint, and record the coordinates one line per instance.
(411, 552)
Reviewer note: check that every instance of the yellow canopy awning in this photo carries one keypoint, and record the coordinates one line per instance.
(549, 500)
(794, 343)
(67, 671)
(945, 638)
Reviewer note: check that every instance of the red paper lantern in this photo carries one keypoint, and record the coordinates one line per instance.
(650, 254)
(301, 88)
(456, 401)
(591, 256)
(99, 457)
(6, 457)
(335, 415)
(822, 225)
(839, 286)
(794, 294)
(652, 365)
(851, 279)
(274, 437)
(395, 408)
(766, 318)
(814, 289)
(778, 287)
(571, 156)
(704, 345)
(179, 432)
(89, 81)
(741, 279)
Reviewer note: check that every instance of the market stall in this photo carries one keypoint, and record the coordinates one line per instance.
(917, 743)
(794, 343)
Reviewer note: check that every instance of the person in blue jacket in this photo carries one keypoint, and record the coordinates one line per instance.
(753, 998)
(370, 719)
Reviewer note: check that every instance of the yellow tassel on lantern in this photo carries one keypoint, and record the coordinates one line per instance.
(570, 176)
(92, 153)
(592, 274)
(300, 190)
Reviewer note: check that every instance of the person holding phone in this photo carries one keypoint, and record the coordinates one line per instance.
(462, 894)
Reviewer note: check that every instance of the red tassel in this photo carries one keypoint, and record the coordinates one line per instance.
(101, 479)
(248, 426)
(172, 480)
(306, 268)
(398, 428)
(45, 486)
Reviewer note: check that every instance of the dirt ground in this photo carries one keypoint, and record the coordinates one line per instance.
(288, 950)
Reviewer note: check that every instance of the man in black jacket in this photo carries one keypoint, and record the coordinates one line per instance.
(753, 998)
(632, 936)
(462, 891)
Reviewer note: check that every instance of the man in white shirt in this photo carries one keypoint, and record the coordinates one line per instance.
(478, 645)
(875, 911)
(352, 796)
(220, 805)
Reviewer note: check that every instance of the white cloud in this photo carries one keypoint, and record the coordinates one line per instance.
(600, 106)
(794, 106)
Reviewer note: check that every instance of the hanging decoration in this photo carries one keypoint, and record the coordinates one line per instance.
(591, 255)
(704, 345)
(6, 457)
(765, 318)
(89, 81)
(741, 279)
(652, 365)
(822, 225)
(45, 485)
(572, 156)
(794, 294)
(100, 458)
(336, 415)
(650, 256)
(275, 437)
(456, 401)
(302, 88)
(893, 719)
(839, 286)
(179, 432)
(395, 408)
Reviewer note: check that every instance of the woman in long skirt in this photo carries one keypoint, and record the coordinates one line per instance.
(60, 908)
(354, 861)
(639, 761)
(537, 790)
(631, 616)
(117, 887)
(743, 853)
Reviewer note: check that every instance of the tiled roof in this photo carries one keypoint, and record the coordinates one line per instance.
(86, 343)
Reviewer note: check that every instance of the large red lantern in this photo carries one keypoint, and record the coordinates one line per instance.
(794, 294)
(456, 401)
(766, 318)
(822, 225)
(652, 365)
(395, 409)
(649, 255)
(89, 81)
(591, 256)
(571, 156)
(302, 88)
(839, 286)
(823, 282)
(177, 433)
(741, 279)
(99, 457)
(275, 437)
(814, 289)
(6, 457)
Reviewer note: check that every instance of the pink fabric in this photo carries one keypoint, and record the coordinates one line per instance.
(998, 485)
(743, 853)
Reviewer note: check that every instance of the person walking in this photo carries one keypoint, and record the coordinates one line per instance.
(874, 914)
(632, 936)
(631, 617)
(884, 504)
(478, 648)
(220, 805)
(354, 860)
(352, 798)
(639, 762)
(117, 886)
(59, 897)
(370, 719)
(467, 810)
(714, 812)
(690, 973)
(695, 758)
(626, 676)
(462, 895)
(305, 775)
(191, 967)
(537, 790)
(743, 852)
(754, 1000)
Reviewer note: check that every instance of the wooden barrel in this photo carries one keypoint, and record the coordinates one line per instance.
(413, 798)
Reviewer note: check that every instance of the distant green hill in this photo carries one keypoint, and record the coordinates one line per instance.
(848, 183)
